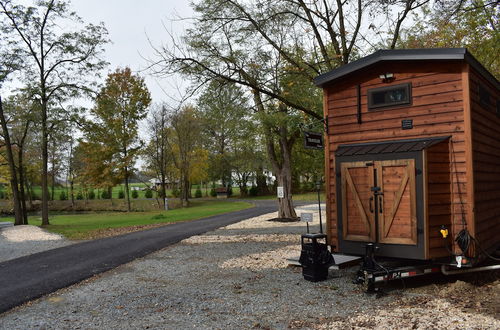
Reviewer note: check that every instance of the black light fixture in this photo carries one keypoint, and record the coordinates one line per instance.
(387, 77)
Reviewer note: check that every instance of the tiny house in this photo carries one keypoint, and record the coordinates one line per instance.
(412, 147)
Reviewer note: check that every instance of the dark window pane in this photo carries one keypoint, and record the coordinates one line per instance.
(389, 96)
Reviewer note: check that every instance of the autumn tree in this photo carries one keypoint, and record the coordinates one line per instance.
(57, 56)
(120, 105)
(250, 44)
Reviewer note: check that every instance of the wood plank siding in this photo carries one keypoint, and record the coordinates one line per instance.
(485, 122)
(437, 109)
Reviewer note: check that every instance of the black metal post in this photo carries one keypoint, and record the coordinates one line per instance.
(318, 187)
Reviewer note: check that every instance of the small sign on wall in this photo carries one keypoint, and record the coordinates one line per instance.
(306, 217)
(281, 192)
(407, 124)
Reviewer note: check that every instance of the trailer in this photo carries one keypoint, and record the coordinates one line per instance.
(412, 152)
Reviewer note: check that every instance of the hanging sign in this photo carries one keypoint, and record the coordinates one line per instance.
(313, 140)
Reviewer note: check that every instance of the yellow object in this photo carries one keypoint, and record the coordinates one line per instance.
(444, 232)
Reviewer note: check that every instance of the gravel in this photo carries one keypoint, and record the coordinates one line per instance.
(237, 277)
(19, 241)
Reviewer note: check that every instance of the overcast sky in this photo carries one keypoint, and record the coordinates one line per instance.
(130, 23)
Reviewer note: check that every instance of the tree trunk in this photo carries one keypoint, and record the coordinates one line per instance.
(282, 166)
(285, 209)
(18, 215)
(164, 189)
(45, 172)
(127, 192)
(72, 192)
(22, 194)
(184, 191)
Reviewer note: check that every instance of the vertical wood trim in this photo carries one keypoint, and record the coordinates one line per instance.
(327, 170)
(468, 150)
(358, 90)
(343, 189)
(425, 187)
(413, 199)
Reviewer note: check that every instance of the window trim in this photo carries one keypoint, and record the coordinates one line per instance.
(370, 92)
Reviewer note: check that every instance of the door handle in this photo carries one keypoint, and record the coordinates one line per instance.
(371, 205)
(380, 205)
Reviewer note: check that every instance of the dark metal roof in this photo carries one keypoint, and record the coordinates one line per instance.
(386, 147)
(385, 55)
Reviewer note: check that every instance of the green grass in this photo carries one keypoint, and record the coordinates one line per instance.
(85, 226)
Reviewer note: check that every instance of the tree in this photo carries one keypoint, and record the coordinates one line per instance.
(249, 44)
(121, 104)
(18, 214)
(157, 153)
(56, 61)
(473, 24)
(224, 111)
(186, 146)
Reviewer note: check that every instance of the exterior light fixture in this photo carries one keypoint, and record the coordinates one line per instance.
(387, 77)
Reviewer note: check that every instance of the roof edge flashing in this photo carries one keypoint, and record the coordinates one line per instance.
(422, 54)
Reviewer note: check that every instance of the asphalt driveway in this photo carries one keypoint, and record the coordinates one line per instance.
(32, 276)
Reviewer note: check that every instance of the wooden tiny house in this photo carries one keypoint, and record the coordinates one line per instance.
(412, 146)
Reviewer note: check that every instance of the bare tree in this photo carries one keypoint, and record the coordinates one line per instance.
(55, 61)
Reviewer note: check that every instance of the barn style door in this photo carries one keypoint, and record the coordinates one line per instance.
(358, 221)
(379, 201)
(397, 219)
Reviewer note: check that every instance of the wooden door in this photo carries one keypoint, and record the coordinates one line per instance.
(358, 223)
(396, 218)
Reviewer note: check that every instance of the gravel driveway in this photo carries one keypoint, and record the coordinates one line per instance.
(237, 277)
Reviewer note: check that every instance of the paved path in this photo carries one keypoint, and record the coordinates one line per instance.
(32, 276)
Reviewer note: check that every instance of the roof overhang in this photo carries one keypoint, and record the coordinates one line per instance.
(390, 55)
(387, 147)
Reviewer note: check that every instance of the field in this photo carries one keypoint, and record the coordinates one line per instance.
(96, 225)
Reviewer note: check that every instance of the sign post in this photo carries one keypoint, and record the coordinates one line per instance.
(306, 217)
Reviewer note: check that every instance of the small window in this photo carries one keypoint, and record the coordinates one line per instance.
(389, 96)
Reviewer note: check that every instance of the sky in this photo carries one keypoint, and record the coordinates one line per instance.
(130, 23)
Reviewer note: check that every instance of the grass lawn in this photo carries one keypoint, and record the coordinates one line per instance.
(95, 225)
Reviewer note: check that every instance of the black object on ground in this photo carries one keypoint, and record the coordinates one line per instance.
(315, 257)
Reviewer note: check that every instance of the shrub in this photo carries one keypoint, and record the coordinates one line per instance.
(34, 196)
(213, 193)
(148, 193)
(135, 194)
(105, 195)
(63, 196)
(92, 194)
(79, 196)
(121, 194)
(198, 193)
(229, 191)
(253, 191)
(176, 192)
(2, 195)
